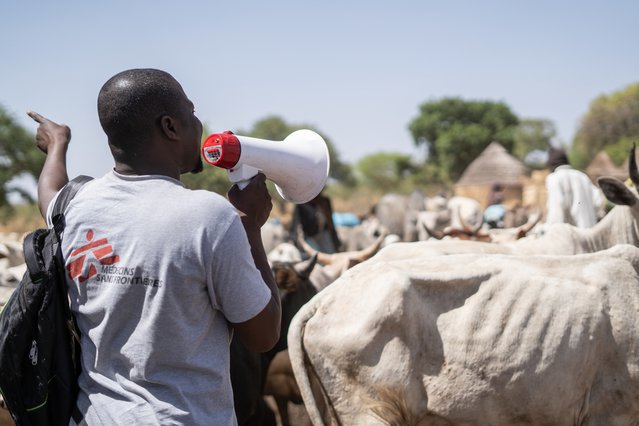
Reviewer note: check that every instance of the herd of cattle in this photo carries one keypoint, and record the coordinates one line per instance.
(428, 318)
(507, 330)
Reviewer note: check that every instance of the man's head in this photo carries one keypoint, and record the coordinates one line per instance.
(147, 117)
(556, 157)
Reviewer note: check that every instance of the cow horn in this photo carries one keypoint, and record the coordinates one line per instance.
(322, 258)
(435, 234)
(632, 167)
(369, 251)
(462, 233)
(533, 219)
(305, 267)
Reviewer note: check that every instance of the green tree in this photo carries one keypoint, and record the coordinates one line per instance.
(532, 134)
(611, 124)
(385, 171)
(19, 157)
(456, 131)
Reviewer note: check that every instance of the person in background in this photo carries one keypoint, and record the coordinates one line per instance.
(571, 196)
(160, 276)
(315, 218)
(495, 211)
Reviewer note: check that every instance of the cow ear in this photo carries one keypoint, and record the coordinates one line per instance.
(305, 268)
(616, 191)
(286, 279)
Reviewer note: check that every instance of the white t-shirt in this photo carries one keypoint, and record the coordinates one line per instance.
(156, 271)
(572, 198)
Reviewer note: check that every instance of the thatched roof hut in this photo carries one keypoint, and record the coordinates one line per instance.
(602, 165)
(493, 165)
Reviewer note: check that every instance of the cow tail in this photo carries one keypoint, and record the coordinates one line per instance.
(305, 374)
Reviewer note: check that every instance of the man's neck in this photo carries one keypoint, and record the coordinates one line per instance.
(146, 169)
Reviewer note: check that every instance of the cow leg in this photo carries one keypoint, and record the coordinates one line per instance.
(281, 384)
(282, 407)
(262, 416)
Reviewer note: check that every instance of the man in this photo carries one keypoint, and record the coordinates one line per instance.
(571, 196)
(159, 274)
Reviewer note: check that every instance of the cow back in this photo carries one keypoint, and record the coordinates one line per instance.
(506, 339)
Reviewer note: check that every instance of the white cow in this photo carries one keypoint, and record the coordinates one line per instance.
(280, 382)
(619, 226)
(397, 214)
(457, 213)
(484, 233)
(273, 233)
(333, 265)
(470, 339)
(329, 266)
(12, 264)
(364, 234)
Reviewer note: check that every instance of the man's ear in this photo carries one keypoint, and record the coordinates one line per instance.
(168, 127)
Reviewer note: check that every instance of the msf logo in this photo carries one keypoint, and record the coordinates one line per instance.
(82, 265)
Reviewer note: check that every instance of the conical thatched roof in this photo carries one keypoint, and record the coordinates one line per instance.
(494, 164)
(602, 165)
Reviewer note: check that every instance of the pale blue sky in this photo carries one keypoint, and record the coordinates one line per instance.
(356, 70)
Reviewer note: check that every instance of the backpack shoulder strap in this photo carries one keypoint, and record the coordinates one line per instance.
(68, 192)
(64, 198)
(57, 217)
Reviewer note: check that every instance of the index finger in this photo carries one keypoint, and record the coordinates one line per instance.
(37, 117)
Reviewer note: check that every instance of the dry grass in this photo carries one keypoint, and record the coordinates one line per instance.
(358, 201)
(25, 218)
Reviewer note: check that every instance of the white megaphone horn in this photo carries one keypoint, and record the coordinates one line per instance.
(298, 165)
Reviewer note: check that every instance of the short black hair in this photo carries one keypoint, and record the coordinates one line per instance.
(556, 157)
(130, 103)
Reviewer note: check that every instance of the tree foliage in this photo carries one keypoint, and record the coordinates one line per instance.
(19, 156)
(385, 171)
(456, 131)
(611, 124)
(532, 134)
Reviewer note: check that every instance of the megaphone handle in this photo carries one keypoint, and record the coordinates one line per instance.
(242, 175)
(242, 183)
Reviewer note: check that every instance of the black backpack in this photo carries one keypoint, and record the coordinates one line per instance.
(39, 341)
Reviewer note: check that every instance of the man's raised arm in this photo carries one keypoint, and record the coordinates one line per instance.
(52, 139)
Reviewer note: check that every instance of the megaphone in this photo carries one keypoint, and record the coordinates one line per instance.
(298, 165)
